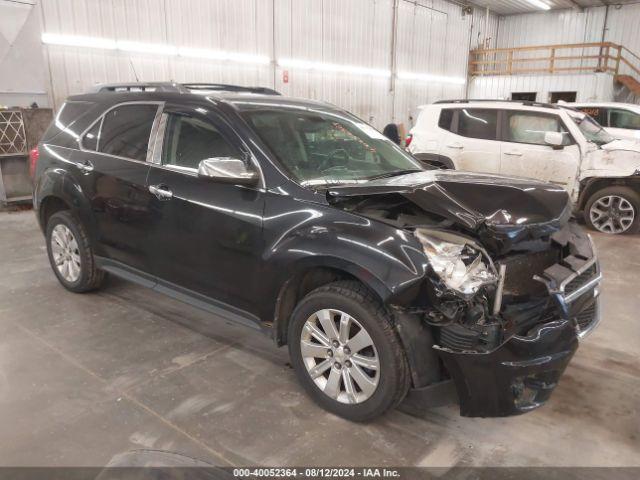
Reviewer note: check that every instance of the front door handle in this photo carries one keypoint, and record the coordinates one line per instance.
(514, 153)
(162, 192)
(456, 145)
(85, 167)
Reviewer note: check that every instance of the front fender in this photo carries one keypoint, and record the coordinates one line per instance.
(390, 261)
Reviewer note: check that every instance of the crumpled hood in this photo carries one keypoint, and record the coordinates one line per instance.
(622, 145)
(475, 200)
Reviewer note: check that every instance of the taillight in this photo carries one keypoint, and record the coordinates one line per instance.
(407, 141)
(33, 161)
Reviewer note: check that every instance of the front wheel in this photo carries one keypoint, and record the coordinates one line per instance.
(613, 210)
(346, 353)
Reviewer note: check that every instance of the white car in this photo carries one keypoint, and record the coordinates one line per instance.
(550, 143)
(622, 120)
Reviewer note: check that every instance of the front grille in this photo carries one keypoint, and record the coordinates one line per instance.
(522, 268)
(586, 316)
(581, 279)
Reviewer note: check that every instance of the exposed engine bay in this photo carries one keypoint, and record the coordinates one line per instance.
(494, 307)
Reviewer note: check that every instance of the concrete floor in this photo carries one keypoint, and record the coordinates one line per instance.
(85, 377)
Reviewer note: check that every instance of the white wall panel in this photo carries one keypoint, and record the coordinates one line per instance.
(433, 38)
(589, 86)
(23, 76)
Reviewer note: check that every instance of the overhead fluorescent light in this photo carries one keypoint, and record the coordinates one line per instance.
(152, 48)
(332, 67)
(540, 4)
(222, 55)
(428, 78)
(78, 41)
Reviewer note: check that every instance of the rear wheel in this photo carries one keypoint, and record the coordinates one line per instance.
(345, 352)
(70, 254)
(613, 210)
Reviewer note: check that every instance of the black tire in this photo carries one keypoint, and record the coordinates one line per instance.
(357, 301)
(627, 193)
(90, 277)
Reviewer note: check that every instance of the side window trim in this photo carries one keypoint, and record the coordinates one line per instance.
(158, 145)
(154, 127)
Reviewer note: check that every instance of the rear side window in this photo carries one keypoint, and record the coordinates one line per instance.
(619, 118)
(527, 127)
(188, 141)
(90, 139)
(126, 130)
(478, 123)
(446, 119)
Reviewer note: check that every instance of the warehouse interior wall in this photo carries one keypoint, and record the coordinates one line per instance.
(562, 27)
(23, 75)
(432, 37)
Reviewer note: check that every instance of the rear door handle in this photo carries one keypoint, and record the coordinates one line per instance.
(455, 145)
(514, 153)
(162, 192)
(85, 167)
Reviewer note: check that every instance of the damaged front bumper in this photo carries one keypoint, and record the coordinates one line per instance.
(520, 374)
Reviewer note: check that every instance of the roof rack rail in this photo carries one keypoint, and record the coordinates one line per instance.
(138, 87)
(223, 87)
(528, 103)
(179, 88)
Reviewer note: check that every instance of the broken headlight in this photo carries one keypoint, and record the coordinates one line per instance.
(460, 263)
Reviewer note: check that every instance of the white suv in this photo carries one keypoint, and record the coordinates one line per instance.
(551, 143)
(622, 120)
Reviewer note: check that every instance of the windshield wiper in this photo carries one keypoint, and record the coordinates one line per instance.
(395, 173)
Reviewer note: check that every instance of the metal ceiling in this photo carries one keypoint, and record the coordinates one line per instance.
(511, 7)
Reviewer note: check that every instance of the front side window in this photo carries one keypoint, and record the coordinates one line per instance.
(322, 148)
(126, 130)
(526, 127)
(478, 123)
(188, 141)
(619, 118)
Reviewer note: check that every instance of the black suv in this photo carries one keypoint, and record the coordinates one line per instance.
(301, 221)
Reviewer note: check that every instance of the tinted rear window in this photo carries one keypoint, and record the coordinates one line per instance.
(126, 130)
(446, 118)
(478, 123)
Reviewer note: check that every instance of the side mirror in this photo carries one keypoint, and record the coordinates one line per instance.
(554, 139)
(228, 170)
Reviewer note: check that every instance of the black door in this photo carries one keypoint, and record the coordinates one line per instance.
(113, 160)
(207, 236)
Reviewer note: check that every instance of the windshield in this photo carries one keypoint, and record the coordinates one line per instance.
(592, 130)
(325, 148)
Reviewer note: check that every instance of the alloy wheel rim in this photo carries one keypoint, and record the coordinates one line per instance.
(612, 214)
(340, 356)
(65, 252)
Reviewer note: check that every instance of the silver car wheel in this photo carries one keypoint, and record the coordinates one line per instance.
(65, 253)
(340, 356)
(612, 214)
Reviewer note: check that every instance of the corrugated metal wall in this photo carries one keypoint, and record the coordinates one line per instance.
(433, 38)
(588, 87)
(560, 27)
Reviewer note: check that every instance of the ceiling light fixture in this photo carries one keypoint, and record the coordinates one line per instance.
(151, 48)
(428, 78)
(332, 67)
(540, 4)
